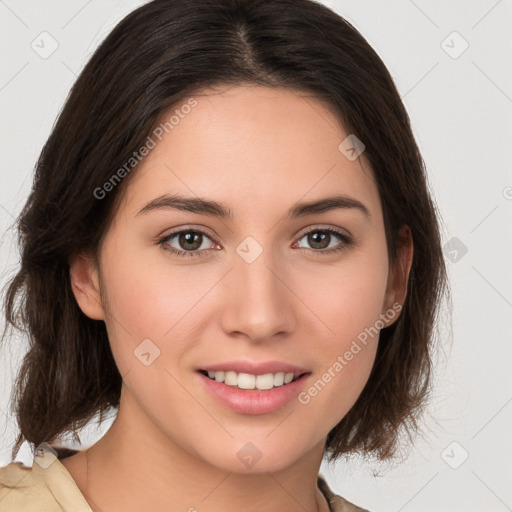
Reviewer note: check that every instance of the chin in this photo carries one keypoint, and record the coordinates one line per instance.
(253, 458)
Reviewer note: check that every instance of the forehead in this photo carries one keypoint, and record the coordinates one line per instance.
(252, 148)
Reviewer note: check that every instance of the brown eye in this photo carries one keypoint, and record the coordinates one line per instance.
(319, 239)
(322, 239)
(186, 243)
(190, 240)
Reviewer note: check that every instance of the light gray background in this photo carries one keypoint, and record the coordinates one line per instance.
(460, 109)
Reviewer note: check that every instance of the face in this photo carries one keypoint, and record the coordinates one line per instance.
(271, 280)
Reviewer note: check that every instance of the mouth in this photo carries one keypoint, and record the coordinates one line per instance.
(248, 393)
(247, 381)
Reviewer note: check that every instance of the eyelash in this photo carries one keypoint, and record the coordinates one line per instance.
(346, 242)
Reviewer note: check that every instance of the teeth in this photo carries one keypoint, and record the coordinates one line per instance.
(230, 378)
(279, 378)
(248, 381)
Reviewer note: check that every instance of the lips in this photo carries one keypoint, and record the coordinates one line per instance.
(245, 401)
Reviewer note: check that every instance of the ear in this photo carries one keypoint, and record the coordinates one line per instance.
(396, 291)
(83, 274)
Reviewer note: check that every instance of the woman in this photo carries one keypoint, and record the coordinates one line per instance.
(231, 241)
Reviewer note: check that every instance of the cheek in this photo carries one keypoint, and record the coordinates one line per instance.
(357, 302)
(348, 298)
(347, 295)
(149, 289)
(145, 300)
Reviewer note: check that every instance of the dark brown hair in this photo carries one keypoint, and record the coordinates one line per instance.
(157, 55)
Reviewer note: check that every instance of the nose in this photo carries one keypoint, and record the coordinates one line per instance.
(260, 303)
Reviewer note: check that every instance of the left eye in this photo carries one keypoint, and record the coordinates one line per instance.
(320, 239)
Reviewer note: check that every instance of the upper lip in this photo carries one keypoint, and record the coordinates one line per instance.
(255, 368)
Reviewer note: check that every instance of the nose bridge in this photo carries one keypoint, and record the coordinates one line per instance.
(259, 301)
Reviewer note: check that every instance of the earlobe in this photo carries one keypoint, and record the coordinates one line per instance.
(396, 291)
(83, 273)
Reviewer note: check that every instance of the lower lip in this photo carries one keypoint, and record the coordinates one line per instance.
(254, 401)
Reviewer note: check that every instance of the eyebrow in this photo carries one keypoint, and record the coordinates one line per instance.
(216, 209)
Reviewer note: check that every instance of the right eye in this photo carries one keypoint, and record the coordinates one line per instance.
(190, 243)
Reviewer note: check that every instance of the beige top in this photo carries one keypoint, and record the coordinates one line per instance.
(52, 489)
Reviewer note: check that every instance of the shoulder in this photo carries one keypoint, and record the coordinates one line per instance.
(45, 486)
(20, 489)
(336, 502)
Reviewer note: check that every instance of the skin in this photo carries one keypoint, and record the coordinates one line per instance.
(259, 151)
